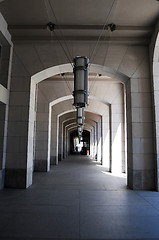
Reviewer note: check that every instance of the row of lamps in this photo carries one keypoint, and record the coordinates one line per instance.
(80, 92)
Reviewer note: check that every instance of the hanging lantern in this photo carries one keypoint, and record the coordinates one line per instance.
(80, 130)
(80, 135)
(80, 116)
(80, 92)
(81, 139)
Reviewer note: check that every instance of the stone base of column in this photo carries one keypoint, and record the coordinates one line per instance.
(18, 178)
(40, 166)
(2, 179)
(141, 179)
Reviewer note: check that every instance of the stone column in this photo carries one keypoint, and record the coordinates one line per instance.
(99, 141)
(140, 133)
(18, 173)
(6, 54)
(5, 76)
(106, 156)
(64, 141)
(118, 140)
(60, 145)
(42, 127)
(2, 141)
(154, 59)
(54, 138)
(96, 140)
(91, 143)
(156, 107)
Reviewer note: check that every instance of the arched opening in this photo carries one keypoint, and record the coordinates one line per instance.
(90, 126)
(106, 133)
(77, 146)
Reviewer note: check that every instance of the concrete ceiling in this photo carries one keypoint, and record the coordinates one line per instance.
(79, 19)
(81, 24)
(90, 120)
(99, 86)
(102, 92)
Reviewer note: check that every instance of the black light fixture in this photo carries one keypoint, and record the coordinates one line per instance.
(112, 27)
(80, 116)
(80, 92)
(50, 26)
(80, 131)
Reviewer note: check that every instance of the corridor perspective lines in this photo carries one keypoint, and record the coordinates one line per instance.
(78, 199)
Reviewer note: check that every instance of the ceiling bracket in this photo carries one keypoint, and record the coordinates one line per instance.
(112, 27)
(51, 26)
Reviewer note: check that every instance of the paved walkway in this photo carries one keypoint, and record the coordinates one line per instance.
(78, 200)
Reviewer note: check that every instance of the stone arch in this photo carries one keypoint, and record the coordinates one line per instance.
(64, 68)
(59, 100)
(37, 78)
(62, 114)
(132, 180)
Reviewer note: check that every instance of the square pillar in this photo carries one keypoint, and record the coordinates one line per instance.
(54, 138)
(106, 153)
(41, 161)
(18, 172)
(141, 173)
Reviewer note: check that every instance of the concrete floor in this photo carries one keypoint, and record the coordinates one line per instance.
(78, 200)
